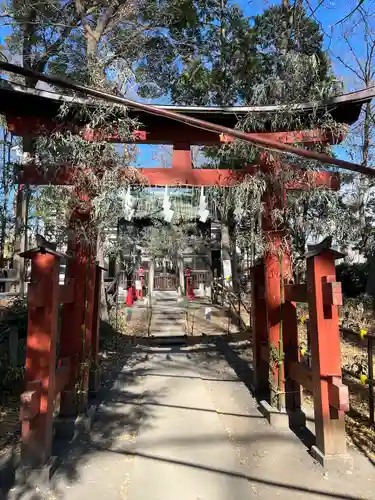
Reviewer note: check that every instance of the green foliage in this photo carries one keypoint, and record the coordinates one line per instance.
(353, 278)
(15, 318)
(208, 52)
(290, 43)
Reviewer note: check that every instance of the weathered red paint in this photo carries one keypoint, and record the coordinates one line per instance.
(325, 357)
(277, 268)
(259, 330)
(66, 292)
(30, 403)
(295, 292)
(180, 177)
(338, 394)
(75, 336)
(332, 292)
(62, 375)
(41, 343)
(291, 355)
(96, 318)
(181, 158)
(165, 133)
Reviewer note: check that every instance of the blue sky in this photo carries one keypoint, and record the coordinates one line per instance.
(327, 14)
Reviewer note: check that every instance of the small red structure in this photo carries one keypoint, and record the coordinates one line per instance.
(323, 378)
(43, 381)
(189, 284)
(129, 297)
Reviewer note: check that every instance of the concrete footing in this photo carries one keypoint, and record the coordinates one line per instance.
(95, 380)
(333, 463)
(72, 427)
(282, 419)
(36, 476)
(8, 466)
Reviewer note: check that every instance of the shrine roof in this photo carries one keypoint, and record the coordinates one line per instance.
(19, 100)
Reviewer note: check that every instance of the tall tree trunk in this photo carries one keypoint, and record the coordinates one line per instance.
(21, 226)
(5, 184)
(225, 252)
(103, 299)
(362, 199)
(233, 251)
(364, 181)
(181, 274)
(151, 277)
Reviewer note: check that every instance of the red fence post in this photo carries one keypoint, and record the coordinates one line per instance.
(74, 332)
(37, 402)
(90, 311)
(95, 372)
(259, 330)
(324, 294)
(293, 389)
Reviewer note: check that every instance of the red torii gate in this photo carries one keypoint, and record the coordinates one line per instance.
(268, 312)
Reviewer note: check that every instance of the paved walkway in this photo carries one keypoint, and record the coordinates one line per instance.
(169, 316)
(178, 424)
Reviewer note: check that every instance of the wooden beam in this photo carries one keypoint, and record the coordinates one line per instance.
(338, 394)
(66, 175)
(35, 295)
(309, 180)
(295, 293)
(66, 292)
(302, 374)
(30, 401)
(325, 354)
(332, 292)
(297, 137)
(164, 132)
(62, 375)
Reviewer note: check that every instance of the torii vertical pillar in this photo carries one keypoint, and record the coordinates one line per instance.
(37, 402)
(324, 296)
(181, 157)
(277, 270)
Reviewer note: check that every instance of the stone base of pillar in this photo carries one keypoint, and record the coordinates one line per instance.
(95, 380)
(282, 419)
(73, 427)
(73, 404)
(38, 477)
(333, 463)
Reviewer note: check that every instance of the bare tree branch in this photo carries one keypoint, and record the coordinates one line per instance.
(350, 68)
(82, 14)
(51, 51)
(105, 18)
(359, 4)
